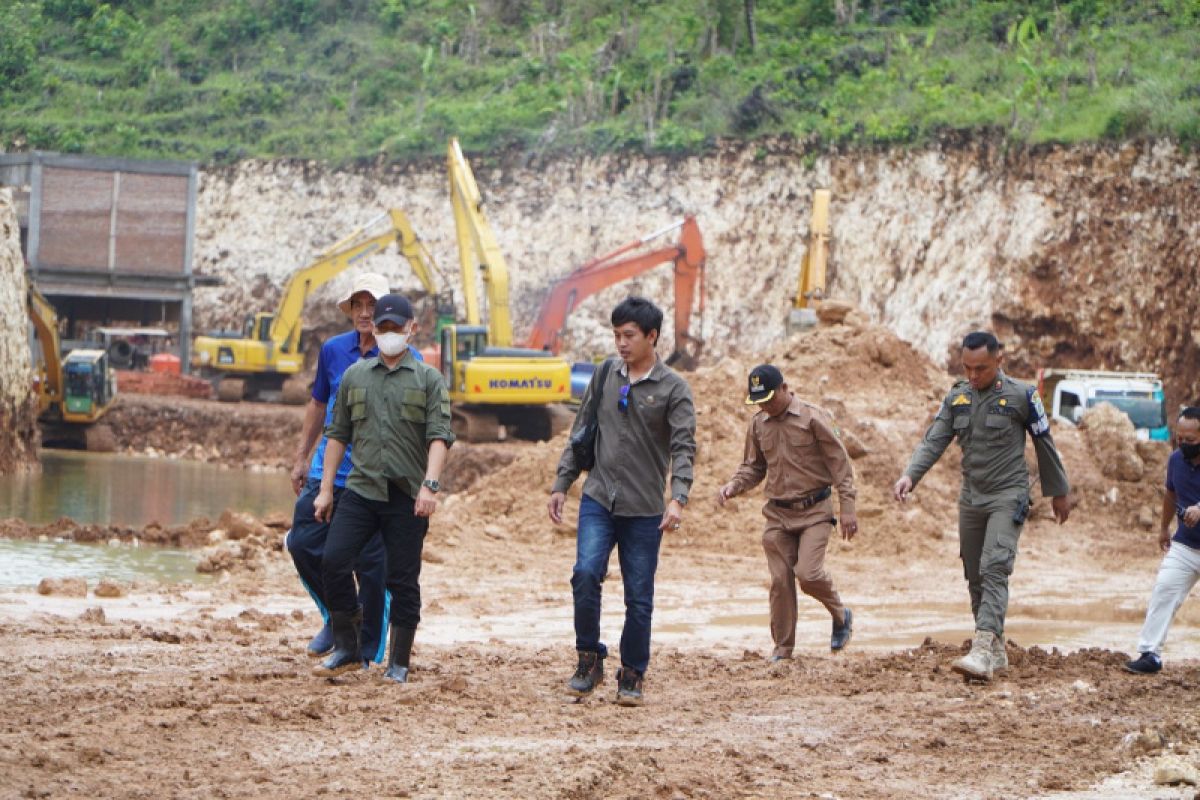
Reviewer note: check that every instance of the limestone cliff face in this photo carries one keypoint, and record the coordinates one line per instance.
(1077, 257)
(18, 409)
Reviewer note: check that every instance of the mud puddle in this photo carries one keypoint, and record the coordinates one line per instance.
(108, 489)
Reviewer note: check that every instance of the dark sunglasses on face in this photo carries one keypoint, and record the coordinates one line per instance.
(623, 400)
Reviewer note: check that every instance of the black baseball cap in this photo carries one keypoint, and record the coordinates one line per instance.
(393, 308)
(764, 380)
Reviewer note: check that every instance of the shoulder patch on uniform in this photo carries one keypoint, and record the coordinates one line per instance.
(1038, 424)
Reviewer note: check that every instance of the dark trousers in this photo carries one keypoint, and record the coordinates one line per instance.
(306, 544)
(355, 521)
(637, 540)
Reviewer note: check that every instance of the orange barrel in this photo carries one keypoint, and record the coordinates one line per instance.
(166, 363)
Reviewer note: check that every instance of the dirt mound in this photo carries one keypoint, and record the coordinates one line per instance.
(245, 434)
(1112, 441)
(162, 383)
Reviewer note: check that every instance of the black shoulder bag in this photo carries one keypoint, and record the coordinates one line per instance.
(583, 440)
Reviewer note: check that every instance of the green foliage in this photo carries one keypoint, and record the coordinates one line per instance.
(344, 79)
(21, 24)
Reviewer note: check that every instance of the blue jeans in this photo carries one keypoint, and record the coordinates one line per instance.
(637, 540)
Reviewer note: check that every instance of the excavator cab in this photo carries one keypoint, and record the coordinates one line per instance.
(89, 385)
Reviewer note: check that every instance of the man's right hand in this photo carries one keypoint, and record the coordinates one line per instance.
(724, 493)
(902, 488)
(299, 473)
(555, 506)
(1164, 539)
(323, 505)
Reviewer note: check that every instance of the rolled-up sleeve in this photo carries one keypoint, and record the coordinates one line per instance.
(437, 411)
(681, 417)
(339, 428)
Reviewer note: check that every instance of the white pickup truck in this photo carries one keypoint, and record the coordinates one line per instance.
(1068, 393)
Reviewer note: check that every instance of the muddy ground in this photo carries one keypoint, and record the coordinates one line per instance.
(203, 690)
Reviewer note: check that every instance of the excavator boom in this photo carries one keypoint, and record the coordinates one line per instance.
(270, 350)
(49, 374)
(567, 293)
(477, 249)
(376, 235)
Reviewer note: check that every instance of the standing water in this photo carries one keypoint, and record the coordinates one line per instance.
(107, 489)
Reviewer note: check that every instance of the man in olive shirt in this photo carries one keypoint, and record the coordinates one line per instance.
(394, 411)
(647, 427)
(798, 449)
(989, 414)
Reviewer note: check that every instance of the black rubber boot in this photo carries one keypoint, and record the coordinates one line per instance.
(402, 642)
(347, 650)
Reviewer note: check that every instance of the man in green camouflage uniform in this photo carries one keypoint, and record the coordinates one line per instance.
(989, 414)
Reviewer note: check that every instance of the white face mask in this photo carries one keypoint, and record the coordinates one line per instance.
(391, 344)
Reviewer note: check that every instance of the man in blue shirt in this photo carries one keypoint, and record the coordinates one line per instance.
(306, 540)
(1181, 565)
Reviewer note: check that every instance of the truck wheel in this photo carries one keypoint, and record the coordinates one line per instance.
(231, 390)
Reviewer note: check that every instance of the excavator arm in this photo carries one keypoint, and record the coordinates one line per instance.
(688, 257)
(811, 290)
(376, 235)
(49, 374)
(477, 249)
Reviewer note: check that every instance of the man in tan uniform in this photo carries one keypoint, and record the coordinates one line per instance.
(797, 448)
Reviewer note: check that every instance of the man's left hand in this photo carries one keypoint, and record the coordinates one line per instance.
(849, 526)
(673, 518)
(426, 502)
(1062, 508)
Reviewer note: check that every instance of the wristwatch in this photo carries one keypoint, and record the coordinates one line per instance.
(681, 499)
(431, 485)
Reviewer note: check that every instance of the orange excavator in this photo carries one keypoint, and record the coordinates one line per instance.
(568, 292)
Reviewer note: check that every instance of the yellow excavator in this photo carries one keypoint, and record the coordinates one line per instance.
(73, 392)
(493, 384)
(811, 290)
(260, 360)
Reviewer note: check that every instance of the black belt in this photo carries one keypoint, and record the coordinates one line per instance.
(807, 501)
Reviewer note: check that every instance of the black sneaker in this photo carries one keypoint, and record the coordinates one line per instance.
(629, 687)
(588, 675)
(1146, 664)
(841, 633)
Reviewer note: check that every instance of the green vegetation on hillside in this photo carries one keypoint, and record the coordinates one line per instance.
(347, 79)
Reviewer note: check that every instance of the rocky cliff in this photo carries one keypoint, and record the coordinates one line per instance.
(18, 411)
(1077, 257)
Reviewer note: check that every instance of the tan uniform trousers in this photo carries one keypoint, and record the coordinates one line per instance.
(794, 542)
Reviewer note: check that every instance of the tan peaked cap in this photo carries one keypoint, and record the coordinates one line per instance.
(372, 282)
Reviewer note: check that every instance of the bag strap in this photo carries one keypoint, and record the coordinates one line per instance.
(602, 379)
